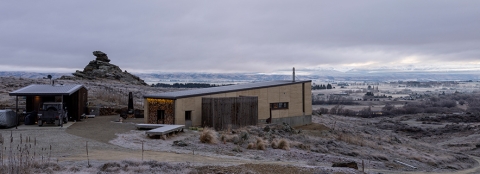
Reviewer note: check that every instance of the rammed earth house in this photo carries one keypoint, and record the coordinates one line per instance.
(235, 105)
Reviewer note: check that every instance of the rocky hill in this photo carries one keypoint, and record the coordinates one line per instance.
(101, 68)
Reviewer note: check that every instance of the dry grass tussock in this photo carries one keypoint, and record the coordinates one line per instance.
(209, 136)
(260, 144)
(280, 144)
(251, 146)
(228, 138)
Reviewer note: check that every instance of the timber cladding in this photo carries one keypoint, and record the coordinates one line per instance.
(156, 105)
(222, 112)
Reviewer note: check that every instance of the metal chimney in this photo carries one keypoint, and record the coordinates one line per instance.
(293, 74)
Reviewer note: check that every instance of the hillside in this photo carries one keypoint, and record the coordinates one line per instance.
(101, 93)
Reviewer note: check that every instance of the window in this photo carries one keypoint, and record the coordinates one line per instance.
(188, 115)
(280, 105)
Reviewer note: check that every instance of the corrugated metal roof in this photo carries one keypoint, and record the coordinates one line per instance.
(43, 90)
(221, 89)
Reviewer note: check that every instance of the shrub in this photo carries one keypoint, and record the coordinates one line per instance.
(131, 163)
(251, 146)
(237, 149)
(244, 135)
(274, 144)
(322, 111)
(280, 144)
(229, 138)
(236, 140)
(110, 167)
(239, 139)
(74, 169)
(209, 136)
(284, 144)
(303, 146)
(223, 138)
(260, 144)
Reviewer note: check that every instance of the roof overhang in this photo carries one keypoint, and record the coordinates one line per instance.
(46, 90)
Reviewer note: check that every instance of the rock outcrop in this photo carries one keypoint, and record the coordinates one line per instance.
(100, 68)
(101, 56)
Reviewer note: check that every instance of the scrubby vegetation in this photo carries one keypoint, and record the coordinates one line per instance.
(186, 85)
(333, 100)
(441, 104)
(209, 136)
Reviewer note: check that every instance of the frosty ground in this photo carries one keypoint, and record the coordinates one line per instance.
(116, 147)
(432, 143)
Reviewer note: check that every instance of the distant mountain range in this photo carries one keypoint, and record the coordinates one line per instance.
(382, 74)
(32, 75)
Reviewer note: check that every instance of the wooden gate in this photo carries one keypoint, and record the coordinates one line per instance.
(219, 113)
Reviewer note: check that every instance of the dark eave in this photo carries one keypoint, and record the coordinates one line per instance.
(46, 90)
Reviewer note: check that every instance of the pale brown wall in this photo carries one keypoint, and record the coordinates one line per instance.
(308, 99)
(197, 113)
(288, 93)
(263, 104)
(193, 104)
(296, 105)
(179, 111)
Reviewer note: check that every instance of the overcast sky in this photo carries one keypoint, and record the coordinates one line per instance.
(237, 36)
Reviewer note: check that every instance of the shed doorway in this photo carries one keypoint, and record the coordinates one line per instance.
(160, 116)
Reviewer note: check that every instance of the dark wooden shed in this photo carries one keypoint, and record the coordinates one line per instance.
(74, 97)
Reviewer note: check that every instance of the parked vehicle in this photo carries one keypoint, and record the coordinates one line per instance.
(53, 113)
(8, 118)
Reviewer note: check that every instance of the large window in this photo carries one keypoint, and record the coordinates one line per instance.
(280, 105)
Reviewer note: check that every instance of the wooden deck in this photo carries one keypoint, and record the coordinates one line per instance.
(160, 129)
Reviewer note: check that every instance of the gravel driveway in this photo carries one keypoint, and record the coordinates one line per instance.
(71, 138)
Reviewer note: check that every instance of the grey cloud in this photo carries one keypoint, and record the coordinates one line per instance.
(236, 36)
